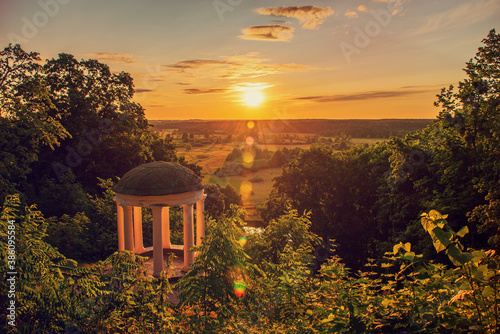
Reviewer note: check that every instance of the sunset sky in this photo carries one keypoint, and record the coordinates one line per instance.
(242, 59)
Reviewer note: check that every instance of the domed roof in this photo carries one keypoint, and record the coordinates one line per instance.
(158, 179)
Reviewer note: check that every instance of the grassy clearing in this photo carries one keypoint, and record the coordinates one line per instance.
(210, 157)
(369, 141)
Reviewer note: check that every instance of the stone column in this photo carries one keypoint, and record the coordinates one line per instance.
(157, 240)
(129, 228)
(166, 227)
(138, 239)
(121, 235)
(188, 235)
(200, 221)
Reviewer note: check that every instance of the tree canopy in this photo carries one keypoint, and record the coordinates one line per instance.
(368, 198)
(65, 126)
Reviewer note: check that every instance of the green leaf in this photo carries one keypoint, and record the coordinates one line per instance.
(488, 292)
(330, 318)
(479, 254)
(428, 224)
(463, 231)
(386, 302)
(396, 248)
(457, 257)
(444, 237)
(409, 256)
(438, 244)
(433, 214)
(407, 246)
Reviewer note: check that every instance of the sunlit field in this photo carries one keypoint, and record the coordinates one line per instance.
(213, 156)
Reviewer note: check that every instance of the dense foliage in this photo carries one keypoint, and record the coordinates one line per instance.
(266, 285)
(354, 243)
(368, 198)
(65, 127)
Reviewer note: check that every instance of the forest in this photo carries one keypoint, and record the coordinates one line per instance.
(359, 128)
(397, 237)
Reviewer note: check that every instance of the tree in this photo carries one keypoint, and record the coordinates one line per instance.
(26, 123)
(278, 159)
(340, 191)
(473, 114)
(230, 196)
(235, 154)
(95, 106)
(219, 271)
(70, 117)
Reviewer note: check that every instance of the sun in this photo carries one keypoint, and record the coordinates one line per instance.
(253, 98)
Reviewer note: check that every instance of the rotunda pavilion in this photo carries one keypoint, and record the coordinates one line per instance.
(159, 185)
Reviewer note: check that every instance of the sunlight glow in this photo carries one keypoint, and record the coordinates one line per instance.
(246, 189)
(253, 98)
(248, 157)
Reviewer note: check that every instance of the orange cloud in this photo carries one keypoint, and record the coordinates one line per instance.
(110, 57)
(309, 16)
(370, 95)
(268, 33)
(250, 65)
(204, 91)
(196, 63)
(350, 14)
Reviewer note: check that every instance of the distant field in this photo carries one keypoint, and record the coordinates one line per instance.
(369, 141)
(212, 156)
(208, 157)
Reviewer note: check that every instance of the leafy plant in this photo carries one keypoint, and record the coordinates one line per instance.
(478, 276)
(218, 279)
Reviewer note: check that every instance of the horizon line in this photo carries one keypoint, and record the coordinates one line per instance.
(291, 119)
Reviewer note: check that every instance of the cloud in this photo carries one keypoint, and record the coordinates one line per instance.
(197, 63)
(250, 65)
(362, 8)
(463, 16)
(204, 91)
(143, 90)
(370, 95)
(309, 16)
(281, 22)
(350, 14)
(395, 6)
(268, 33)
(111, 57)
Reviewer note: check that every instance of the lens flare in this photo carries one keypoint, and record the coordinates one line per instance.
(238, 275)
(248, 157)
(239, 288)
(249, 141)
(243, 241)
(250, 124)
(245, 189)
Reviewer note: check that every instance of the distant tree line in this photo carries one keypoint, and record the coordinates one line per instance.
(355, 128)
